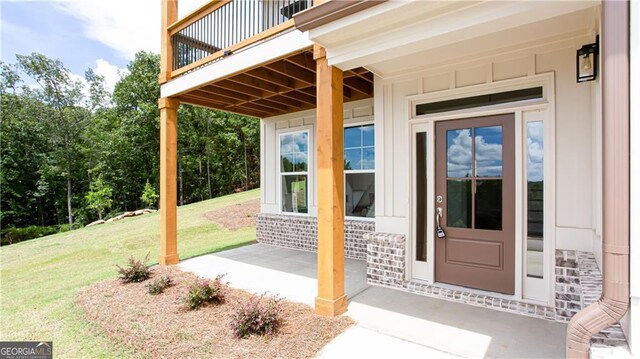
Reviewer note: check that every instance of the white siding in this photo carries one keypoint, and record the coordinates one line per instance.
(577, 136)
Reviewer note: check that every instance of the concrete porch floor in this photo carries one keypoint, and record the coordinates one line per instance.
(390, 323)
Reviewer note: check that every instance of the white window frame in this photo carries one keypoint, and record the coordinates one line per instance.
(373, 171)
(309, 172)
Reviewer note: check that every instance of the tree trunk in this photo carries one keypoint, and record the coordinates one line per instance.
(41, 211)
(180, 178)
(69, 193)
(209, 178)
(246, 166)
(100, 215)
(200, 178)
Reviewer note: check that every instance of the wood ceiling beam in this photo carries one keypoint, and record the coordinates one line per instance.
(276, 78)
(304, 60)
(221, 91)
(241, 87)
(287, 69)
(216, 97)
(257, 83)
(276, 105)
(260, 108)
(301, 96)
(359, 84)
(207, 104)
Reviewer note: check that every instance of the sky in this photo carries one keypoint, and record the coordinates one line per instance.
(99, 34)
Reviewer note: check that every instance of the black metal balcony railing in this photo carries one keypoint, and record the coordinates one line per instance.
(228, 23)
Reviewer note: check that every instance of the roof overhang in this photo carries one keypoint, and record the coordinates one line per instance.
(395, 30)
(330, 11)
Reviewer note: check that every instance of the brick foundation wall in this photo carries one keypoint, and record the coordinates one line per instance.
(386, 259)
(301, 232)
(578, 283)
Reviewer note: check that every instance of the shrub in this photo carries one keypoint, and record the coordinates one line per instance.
(135, 271)
(257, 317)
(159, 285)
(204, 291)
(14, 235)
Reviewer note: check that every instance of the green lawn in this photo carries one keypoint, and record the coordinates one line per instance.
(39, 278)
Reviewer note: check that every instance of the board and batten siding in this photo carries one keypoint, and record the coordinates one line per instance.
(354, 112)
(577, 130)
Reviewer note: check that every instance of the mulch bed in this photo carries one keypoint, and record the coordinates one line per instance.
(160, 325)
(238, 216)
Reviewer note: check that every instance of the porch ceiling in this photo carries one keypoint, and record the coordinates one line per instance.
(279, 87)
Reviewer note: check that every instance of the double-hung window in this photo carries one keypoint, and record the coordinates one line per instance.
(359, 166)
(294, 163)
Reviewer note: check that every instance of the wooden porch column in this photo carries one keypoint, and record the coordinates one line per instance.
(331, 300)
(168, 180)
(169, 15)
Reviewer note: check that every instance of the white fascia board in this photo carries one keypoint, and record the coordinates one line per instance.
(465, 23)
(380, 10)
(251, 57)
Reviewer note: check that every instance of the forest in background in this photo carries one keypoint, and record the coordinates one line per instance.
(72, 152)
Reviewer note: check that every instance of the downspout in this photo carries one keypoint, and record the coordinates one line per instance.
(615, 167)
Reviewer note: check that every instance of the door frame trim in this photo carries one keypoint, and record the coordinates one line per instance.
(538, 291)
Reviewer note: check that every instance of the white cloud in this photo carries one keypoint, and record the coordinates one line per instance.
(488, 155)
(111, 73)
(124, 25)
(127, 26)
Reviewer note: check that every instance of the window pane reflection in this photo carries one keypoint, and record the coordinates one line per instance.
(294, 193)
(459, 153)
(535, 199)
(489, 204)
(488, 151)
(360, 194)
(459, 203)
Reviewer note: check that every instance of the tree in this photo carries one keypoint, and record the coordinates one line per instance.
(149, 195)
(64, 96)
(99, 197)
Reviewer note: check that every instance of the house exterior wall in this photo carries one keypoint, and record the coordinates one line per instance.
(577, 122)
(576, 130)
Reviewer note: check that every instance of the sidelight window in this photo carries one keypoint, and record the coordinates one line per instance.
(535, 199)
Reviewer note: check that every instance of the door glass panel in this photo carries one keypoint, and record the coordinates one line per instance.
(459, 153)
(459, 203)
(535, 199)
(488, 151)
(489, 204)
(421, 196)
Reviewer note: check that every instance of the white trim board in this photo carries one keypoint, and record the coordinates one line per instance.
(264, 52)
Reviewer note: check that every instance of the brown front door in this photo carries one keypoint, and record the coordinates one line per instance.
(475, 194)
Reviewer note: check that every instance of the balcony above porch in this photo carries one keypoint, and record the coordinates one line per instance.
(245, 57)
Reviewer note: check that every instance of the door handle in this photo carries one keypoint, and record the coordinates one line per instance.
(439, 231)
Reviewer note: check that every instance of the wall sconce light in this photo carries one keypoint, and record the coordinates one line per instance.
(587, 61)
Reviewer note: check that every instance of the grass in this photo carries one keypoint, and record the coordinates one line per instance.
(40, 278)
